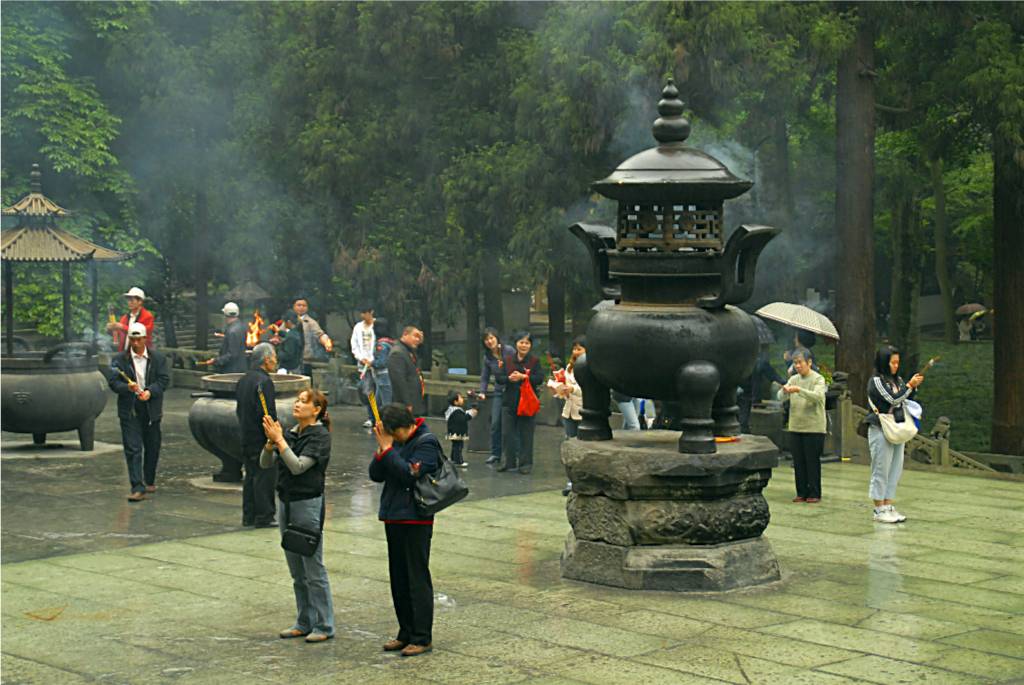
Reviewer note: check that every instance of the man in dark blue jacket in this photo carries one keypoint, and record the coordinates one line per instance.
(406, 449)
(139, 378)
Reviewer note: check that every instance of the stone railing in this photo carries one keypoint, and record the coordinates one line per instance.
(922, 449)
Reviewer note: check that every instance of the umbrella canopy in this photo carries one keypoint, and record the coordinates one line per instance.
(799, 316)
(764, 334)
(965, 309)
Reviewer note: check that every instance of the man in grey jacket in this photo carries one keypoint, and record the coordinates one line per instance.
(406, 381)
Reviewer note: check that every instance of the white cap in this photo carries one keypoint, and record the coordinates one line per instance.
(137, 330)
(230, 309)
(136, 292)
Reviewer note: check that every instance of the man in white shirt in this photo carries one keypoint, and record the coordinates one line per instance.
(362, 342)
(139, 377)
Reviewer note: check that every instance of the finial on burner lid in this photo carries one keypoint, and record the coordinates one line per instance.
(671, 126)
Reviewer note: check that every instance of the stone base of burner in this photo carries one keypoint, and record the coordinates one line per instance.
(647, 517)
(674, 568)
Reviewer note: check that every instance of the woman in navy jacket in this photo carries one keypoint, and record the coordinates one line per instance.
(406, 450)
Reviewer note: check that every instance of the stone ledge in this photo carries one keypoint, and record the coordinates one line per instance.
(647, 465)
(675, 568)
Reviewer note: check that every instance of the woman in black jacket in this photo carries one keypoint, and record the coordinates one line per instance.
(517, 430)
(886, 394)
(302, 454)
(494, 361)
(406, 449)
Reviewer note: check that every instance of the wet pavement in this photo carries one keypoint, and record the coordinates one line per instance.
(89, 491)
(172, 589)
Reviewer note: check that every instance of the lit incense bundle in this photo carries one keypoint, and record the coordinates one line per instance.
(263, 400)
(373, 406)
(128, 379)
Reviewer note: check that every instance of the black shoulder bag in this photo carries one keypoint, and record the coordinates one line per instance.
(298, 539)
(433, 492)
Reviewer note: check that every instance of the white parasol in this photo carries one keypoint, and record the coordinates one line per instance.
(799, 316)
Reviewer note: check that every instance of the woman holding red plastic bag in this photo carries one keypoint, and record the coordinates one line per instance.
(523, 377)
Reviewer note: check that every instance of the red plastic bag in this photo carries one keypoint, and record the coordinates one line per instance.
(529, 405)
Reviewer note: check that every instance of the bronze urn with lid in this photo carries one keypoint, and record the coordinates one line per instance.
(673, 333)
(657, 509)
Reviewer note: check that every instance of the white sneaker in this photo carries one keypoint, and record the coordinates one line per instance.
(885, 515)
(367, 423)
(900, 518)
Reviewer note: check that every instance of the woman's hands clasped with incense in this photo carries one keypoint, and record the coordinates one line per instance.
(384, 439)
(917, 380)
(274, 432)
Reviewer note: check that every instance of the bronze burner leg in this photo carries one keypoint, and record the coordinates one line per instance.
(726, 412)
(87, 435)
(697, 382)
(594, 422)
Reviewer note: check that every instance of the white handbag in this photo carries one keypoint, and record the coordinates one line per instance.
(895, 433)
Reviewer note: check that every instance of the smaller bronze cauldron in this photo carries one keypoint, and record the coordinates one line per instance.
(59, 390)
(672, 334)
(214, 425)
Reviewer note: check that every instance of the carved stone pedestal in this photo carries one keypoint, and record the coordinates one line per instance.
(646, 517)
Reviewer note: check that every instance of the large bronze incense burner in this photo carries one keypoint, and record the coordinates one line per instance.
(669, 509)
(675, 285)
(214, 425)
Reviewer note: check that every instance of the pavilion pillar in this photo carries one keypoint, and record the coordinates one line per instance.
(94, 276)
(9, 306)
(66, 287)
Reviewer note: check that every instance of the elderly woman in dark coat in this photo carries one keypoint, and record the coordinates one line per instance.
(406, 449)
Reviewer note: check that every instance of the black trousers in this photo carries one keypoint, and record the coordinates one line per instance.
(258, 504)
(457, 451)
(412, 590)
(806, 448)
(517, 434)
(141, 441)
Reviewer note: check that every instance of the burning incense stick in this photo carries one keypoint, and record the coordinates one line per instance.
(373, 406)
(930, 364)
(263, 400)
(128, 379)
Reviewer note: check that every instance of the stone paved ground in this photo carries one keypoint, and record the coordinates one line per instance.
(97, 590)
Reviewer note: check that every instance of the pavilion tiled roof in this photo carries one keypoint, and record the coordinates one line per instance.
(37, 239)
(48, 244)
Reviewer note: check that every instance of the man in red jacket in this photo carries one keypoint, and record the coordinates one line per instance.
(136, 313)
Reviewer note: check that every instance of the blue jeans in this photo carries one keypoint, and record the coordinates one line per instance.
(572, 427)
(886, 465)
(309, 576)
(630, 414)
(382, 379)
(496, 425)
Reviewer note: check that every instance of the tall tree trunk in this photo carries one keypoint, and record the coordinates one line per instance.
(782, 173)
(855, 138)
(425, 353)
(906, 282)
(473, 330)
(1008, 284)
(494, 313)
(949, 332)
(201, 269)
(556, 312)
